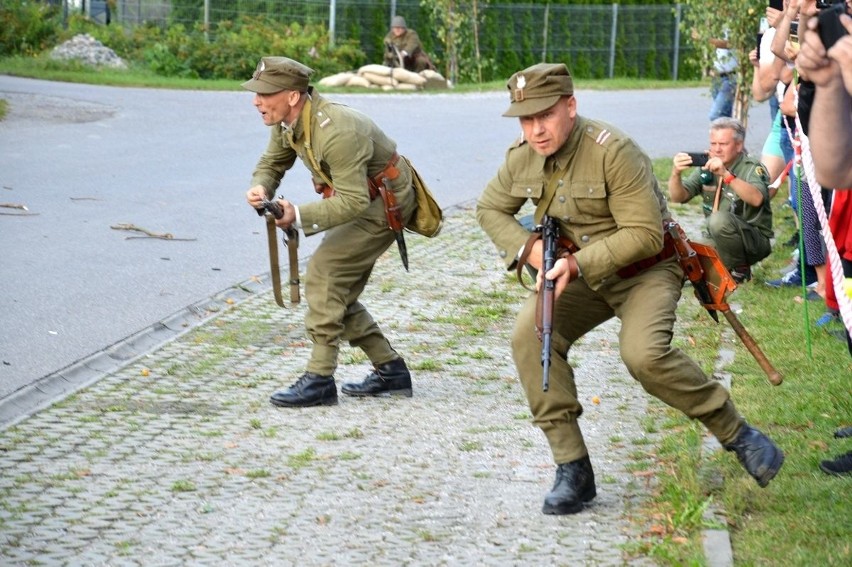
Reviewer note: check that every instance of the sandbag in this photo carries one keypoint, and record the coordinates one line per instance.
(401, 87)
(375, 69)
(358, 81)
(338, 80)
(378, 79)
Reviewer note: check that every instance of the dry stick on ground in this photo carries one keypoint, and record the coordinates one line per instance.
(19, 207)
(148, 233)
(14, 206)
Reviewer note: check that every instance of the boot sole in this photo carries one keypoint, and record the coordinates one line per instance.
(572, 509)
(401, 393)
(303, 405)
(768, 473)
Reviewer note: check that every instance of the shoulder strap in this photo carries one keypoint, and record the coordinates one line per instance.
(306, 116)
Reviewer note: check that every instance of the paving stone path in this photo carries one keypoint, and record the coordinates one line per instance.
(179, 459)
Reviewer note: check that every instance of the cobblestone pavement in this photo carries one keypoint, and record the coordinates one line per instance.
(178, 458)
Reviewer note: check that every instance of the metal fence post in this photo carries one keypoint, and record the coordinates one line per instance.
(613, 35)
(332, 10)
(676, 54)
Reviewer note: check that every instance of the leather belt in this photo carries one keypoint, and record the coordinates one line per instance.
(390, 172)
(636, 267)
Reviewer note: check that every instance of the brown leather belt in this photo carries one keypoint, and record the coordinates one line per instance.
(390, 172)
(636, 267)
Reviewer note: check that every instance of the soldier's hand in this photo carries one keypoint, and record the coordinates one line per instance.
(289, 214)
(565, 270)
(255, 196)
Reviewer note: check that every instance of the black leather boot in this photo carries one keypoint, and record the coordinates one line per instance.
(391, 377)
(757, 454)
(574, 486)
(309, 390)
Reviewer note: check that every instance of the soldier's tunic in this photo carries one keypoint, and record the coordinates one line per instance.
(409, 42)
(608, 203)
(740, 232)
(349, 148)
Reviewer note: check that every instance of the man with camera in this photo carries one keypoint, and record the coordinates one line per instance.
(735, 190)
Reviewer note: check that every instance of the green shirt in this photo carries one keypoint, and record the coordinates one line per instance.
(749, 170)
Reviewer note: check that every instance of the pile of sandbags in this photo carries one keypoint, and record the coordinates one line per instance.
(387, 78)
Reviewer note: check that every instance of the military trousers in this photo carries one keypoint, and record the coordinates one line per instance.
(336, 276)
(645, 305)
(738, 242)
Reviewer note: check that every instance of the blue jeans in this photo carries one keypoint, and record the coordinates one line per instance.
(722, 90)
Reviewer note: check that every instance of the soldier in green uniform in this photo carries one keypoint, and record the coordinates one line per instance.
(403, 48)
(735, 189)
(348, 157)
(599, 186)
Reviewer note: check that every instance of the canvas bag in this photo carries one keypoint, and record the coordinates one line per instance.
(428, 218)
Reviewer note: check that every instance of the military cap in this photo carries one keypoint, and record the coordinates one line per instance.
(537, 88)
(398, 22)
(276, 74)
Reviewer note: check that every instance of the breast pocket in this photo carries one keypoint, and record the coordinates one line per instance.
(590, 198)
(530, 189)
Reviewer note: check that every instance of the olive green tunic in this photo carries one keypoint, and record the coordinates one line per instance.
(348, 148)
(740, 232)
(609, 204)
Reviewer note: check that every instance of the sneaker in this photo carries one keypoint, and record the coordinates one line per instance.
(840, 466)
(741, 274)
(790, 279)
(830, 316)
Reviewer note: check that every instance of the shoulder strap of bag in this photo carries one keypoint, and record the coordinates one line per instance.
(306, 116)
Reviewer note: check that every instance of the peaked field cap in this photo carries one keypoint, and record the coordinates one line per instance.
(537, 88)
(398, 22)
(276, 74)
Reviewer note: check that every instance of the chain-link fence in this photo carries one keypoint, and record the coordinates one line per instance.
(596, 41)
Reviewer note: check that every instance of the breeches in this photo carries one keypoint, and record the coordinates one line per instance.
(336, 276)
(646, 305)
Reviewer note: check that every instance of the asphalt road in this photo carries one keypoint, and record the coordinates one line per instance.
(84, 158)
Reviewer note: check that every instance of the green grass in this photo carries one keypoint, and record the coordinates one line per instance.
(135, 76)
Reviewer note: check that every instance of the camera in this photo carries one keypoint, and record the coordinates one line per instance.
(794, 33)
(699, 159)
(830, 29)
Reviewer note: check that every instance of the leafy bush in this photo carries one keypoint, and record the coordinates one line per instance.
(27, 28)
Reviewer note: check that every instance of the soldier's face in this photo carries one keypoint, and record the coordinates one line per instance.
(398, 31)
(277, 107)
(546, 131)
(724, 145)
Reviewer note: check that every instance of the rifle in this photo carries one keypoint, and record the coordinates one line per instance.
(712, 282)
(272, 211)
(546, 298)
